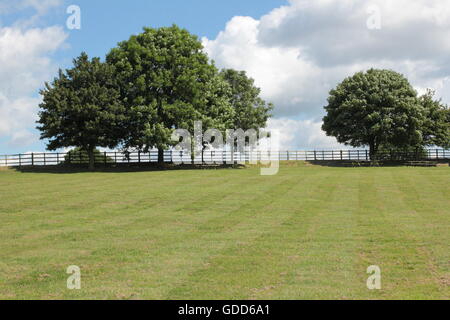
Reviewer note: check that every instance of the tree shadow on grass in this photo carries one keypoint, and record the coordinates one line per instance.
(375, 164)
(119, 168)
(148, 167)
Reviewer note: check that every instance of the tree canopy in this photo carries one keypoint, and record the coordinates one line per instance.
(167, 82)
(374, 108)
(151, 84)
(251, 112)
(82, 108)
(436, 128)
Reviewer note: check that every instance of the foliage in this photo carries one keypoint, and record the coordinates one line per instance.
(251, 112)
(82, 108)
(80, 156)
(436, 128)
(375, 108)
(392, 152)
(153, 83)
(166, 82)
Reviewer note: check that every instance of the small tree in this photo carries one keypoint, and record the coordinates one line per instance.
(436, 128)
(251, 111)
(375, 108)
(81, 108)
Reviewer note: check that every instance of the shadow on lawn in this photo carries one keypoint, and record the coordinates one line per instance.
(368, 164)
(119, 168)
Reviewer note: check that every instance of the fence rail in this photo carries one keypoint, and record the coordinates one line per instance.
(173, 156)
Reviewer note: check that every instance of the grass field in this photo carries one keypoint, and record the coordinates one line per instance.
(308, 233)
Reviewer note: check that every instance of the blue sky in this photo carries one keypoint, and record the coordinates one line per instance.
(296, 50)
(105, 23)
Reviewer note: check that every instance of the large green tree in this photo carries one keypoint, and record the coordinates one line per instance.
(375, 108)
(167, 82)
(82, 108)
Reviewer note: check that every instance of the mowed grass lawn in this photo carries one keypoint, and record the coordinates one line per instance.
(309, 232)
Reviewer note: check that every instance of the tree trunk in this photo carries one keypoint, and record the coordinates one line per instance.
(373, 150)
(203, 153)
(91, 159)
(160, 156)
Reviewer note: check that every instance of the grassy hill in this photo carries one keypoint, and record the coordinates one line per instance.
(308, 233)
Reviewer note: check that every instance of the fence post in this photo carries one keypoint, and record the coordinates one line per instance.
(20, 160)
(6, 160)
(57, 158)
(315, 155)
(139, 156)
(115, 157)
(32, 159)
(104, 158)
(367, 156)
(44, 159)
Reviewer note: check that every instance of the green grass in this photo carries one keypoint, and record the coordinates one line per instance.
(307, 233)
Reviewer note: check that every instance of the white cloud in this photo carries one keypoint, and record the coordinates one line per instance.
(26, 63)
(300, 51)
(21, 138)
(41, 7)
(301, 135)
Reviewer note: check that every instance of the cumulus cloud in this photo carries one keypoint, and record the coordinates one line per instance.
(26, 63)
(301, 135)
(300, 51)
(40, 6)
(336, 32)
(21, 138)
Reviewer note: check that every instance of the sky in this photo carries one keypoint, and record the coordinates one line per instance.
(296, 50)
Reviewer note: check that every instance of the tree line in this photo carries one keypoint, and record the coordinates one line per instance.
(149, 85)
(161, 80)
